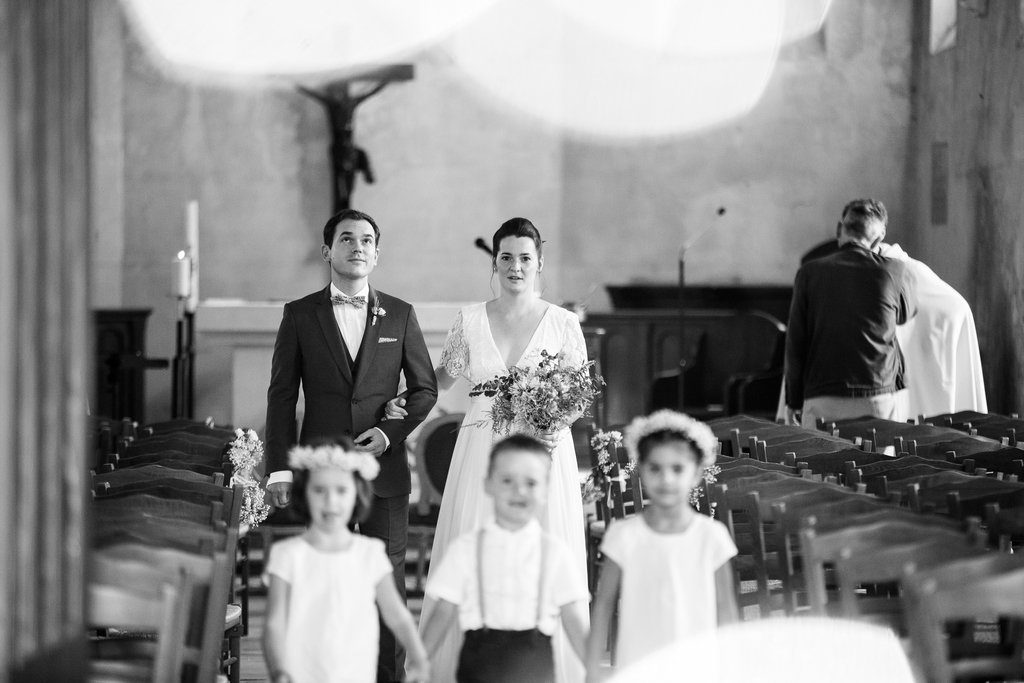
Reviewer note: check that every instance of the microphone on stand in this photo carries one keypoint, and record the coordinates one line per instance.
(481, 244)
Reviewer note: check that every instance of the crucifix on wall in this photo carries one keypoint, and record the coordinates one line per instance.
(339, 101)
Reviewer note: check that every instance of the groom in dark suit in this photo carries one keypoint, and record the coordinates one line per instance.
(347, 346)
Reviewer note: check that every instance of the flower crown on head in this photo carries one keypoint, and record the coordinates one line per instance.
(677, 423)
(333, 457)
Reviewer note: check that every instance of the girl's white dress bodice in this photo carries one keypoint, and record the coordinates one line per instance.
(470, 352)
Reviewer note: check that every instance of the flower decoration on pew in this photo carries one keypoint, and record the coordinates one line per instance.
(333, 457)
(599, 479)
(246, 454)
(711, 473)
(545, 398)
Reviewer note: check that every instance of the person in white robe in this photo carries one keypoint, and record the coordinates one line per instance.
(940, 348)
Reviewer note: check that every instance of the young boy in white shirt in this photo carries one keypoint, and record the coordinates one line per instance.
(509, 583)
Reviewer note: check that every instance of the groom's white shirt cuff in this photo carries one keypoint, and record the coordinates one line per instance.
(285, 476)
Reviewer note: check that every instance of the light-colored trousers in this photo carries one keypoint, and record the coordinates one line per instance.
(886, 406)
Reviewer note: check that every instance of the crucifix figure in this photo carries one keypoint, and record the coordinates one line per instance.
(340, 103)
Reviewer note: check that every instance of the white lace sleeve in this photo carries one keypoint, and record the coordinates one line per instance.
(573, 343)
(455, 355)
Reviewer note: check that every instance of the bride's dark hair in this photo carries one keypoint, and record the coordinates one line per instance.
(516, 227)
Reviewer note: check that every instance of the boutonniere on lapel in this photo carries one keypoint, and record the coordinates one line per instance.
(377, 311)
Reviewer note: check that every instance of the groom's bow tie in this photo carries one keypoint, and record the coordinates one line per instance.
(357, 301)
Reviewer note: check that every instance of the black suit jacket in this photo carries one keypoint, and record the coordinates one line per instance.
(341, 399)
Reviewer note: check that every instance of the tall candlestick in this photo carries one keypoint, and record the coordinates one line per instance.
(192, 253)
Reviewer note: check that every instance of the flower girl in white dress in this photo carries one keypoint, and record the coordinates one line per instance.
(667, 569)
(327, 585)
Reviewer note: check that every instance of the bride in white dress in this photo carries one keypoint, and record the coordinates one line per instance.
(485, 341)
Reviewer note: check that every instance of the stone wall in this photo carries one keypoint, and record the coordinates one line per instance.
(832, 125)
(972, 99)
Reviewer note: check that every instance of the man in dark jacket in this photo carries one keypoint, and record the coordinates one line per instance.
(842, 356)
(347, 346)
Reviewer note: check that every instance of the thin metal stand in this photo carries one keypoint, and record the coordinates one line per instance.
(183, 380)
(682, 330)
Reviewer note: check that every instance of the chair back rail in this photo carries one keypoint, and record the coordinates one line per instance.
(819, 548)
(207, 610)
(888, 565)
(151, 472)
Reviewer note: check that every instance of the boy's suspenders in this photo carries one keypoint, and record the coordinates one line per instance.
(500, 656)
(480, 576)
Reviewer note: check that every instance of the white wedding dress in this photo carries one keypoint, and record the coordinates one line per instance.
(470, 352)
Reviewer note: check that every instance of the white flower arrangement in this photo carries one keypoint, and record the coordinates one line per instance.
(598, 481)
(710, 475)
(333, 457)
(246, 454)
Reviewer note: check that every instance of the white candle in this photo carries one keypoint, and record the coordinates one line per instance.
(191, 228)
(182, 270)
(192, 253)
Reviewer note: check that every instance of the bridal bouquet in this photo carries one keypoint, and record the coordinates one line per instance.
(245, 454)
(544, 398)
(598, 481)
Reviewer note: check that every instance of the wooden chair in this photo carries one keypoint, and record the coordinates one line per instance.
(140, 505)
(199, 492)
(145, 473)
(887, 565)
(965, 591)
(159, 456)
(204, 468)
(194, 444)
(111, 528)
(1007, 460)
(186, 536)
(748, 467)
(433, 456)
(790, 516)
(810, 445)
(210, 614)
(819, 547)
(838, 462)
(771, 549)
(735, 432)
(127, 514)
(133, 596)
(894, 478)
(972, 494)
(1005, 527)
(756, 563)
(187, 426)
(964, 447)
